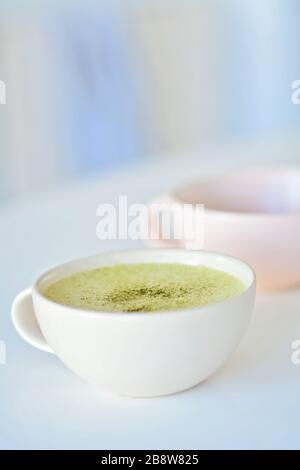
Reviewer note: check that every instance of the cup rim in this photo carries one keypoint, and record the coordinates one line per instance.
(143, 314)
(264, 170)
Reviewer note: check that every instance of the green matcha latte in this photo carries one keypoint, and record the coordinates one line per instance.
(144, 287)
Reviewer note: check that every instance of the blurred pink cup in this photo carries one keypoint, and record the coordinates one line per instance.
(251, 214)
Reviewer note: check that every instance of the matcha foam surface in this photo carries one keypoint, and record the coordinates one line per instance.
(144, 287)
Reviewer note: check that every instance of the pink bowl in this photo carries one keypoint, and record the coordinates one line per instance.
(253, 215)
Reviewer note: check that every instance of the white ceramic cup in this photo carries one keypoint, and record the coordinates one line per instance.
(138, 354)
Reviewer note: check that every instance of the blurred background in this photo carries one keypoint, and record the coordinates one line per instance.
(94, 86)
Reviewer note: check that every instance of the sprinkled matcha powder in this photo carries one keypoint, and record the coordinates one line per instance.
(144, 287)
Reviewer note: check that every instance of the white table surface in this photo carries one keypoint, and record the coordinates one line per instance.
(253, 402)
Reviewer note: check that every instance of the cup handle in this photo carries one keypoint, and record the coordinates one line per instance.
(25, 322)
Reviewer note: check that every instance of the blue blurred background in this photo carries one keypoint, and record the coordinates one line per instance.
(93, 86)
